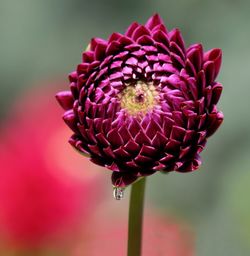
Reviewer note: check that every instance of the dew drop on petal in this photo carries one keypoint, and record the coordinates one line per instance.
(118, 193)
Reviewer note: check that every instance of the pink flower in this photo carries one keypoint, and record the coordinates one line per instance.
(47, 191)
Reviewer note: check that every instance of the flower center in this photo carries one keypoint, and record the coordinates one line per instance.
(139, 98)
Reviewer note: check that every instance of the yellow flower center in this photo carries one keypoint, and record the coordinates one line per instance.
(139, 98)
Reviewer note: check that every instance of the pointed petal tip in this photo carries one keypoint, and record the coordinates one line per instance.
(94, 42)
(70, 120)
(214, 55)
(220, 116)
(156, 16)
(216, 123)
(131, 29)
(65, 99)
(153, 21)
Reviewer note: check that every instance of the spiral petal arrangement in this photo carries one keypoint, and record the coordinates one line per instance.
(142, 102)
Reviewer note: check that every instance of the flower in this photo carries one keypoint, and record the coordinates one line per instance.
(44, 203)
(142, 102)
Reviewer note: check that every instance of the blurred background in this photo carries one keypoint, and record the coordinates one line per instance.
(66, 207)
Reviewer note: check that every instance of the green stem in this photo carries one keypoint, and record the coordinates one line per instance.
(136, 218)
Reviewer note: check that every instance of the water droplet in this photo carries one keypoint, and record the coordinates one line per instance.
(118, 193)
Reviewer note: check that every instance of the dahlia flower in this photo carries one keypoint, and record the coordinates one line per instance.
(143, 102)
(43, 201)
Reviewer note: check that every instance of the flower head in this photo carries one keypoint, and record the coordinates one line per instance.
(142, 102)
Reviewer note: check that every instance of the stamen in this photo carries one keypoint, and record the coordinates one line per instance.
(139, 98)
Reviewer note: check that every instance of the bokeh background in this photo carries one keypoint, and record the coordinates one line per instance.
(40, 43)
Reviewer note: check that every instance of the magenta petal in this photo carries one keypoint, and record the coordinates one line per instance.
(159, 166)
(167, 126)
(190, 68)
(209, 70)
(193, 88)
(83, 132)
(100, 50)
(114, 138)
(116, 65)
(190, 165)
(141, 138)
(116, 76)
(188, 137)
(142, 159)
(88, 56)
(177, 60)
(113, 48)
(174, 47)
(134, 127)
(65, 99)
(201, 105)
(124, 40)
(153, 21)
(214, 55)
(74, 90)
(101, 138)
(95, 41)
(94, 149)
(113, 167)
(175, 35)
(202, 120)
(133, 165)
(132, 61)
(109, 152)
(197, 162)
(208, 95)
(131, 29)
(184, 151)
(201, 82)
(132, 146)
(152, 128)
(172, 146)
(215, 121)
(201, 136)
(147, 150)
(191, 121)
(217, 89)
(140, 31)
(160, 27)
(114, 37)
(121, 153)
(124, 133)
(167, 158)
(159, 140)
(161, 37)
(73, 76)
(145, 40)
(120, 179)
(195, 55)
(70, 119)
(177, 133)
(82, 68)
(178, 118)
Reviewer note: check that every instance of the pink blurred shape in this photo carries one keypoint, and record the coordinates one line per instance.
(47, 191)
(162, 236)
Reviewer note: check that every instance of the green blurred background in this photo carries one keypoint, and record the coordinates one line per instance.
(44, 39)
